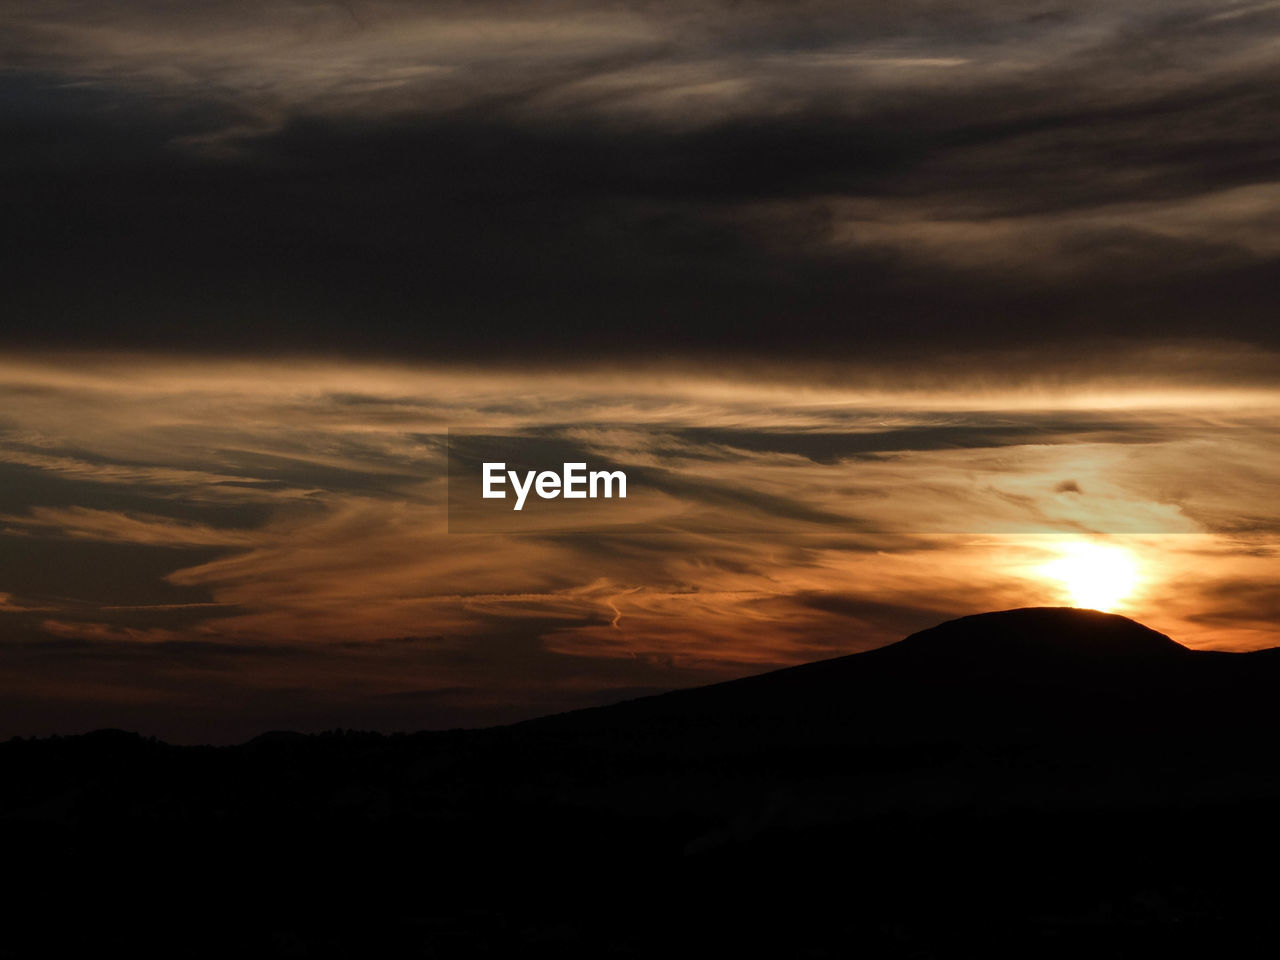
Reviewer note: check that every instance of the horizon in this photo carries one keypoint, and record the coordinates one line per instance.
(1081, 626)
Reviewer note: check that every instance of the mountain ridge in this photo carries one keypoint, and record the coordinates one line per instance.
(1057, 802)
(1041, 650)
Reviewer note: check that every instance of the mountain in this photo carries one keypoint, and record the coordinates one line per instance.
(1013, 674)
(1046, 635)
(1047, 782)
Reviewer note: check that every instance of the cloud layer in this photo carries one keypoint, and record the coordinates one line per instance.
(178, 535)
(566, 179)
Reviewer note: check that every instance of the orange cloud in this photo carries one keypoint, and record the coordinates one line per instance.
(308, 511)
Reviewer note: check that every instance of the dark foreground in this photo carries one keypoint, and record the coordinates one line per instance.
(1038, 783)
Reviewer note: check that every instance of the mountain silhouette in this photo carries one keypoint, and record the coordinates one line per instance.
(1005, 675)
(1047, 635)
(1047, 781)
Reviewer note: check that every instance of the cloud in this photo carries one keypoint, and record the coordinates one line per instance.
(110, 526)
(103, 631)
(10, 604)
(317, 494)
(561, 180)
(182, 528)
(1203, 232)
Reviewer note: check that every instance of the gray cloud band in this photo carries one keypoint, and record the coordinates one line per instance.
(554, 179)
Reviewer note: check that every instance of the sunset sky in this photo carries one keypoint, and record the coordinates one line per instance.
(892, 313)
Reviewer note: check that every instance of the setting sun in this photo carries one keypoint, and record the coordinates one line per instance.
(1093, 575)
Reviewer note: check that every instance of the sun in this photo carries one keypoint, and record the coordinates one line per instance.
(1093, 575)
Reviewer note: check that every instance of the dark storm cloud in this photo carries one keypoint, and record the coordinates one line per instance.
(565, 179)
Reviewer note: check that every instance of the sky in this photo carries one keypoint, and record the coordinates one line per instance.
(892, 313)
(568, 180)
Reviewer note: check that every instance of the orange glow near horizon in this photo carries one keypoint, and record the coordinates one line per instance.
(284, 533)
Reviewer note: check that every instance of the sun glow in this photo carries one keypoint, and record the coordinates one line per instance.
(1093, 575)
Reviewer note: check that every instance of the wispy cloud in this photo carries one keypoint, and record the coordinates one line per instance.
(315, 500)
(85, 523)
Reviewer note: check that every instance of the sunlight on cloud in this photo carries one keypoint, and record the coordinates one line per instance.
(812, 520)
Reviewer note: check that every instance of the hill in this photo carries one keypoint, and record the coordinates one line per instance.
(1043, 781)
